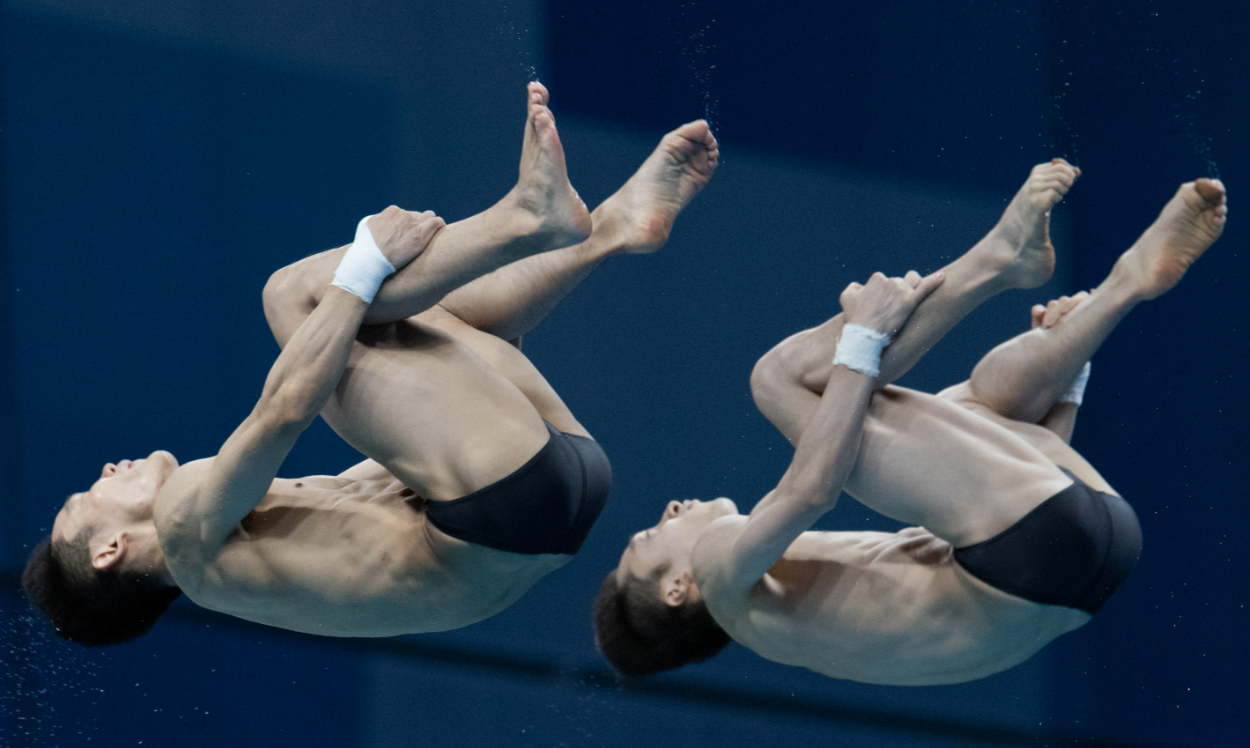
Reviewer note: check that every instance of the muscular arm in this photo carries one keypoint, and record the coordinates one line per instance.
(823, 459)
(298, 386)
(828, 445)
(211, 503)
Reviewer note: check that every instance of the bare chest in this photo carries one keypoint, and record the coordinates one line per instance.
(894, 619)
(358, 560)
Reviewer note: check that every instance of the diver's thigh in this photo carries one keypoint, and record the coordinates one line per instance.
(432, 412)
(512, 364)
(928, 461)
(1039, 437)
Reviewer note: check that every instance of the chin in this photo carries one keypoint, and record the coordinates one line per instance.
(164, 458)
(724, 507)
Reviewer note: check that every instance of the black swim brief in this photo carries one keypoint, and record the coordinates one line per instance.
(547, 506)
(1073, 550)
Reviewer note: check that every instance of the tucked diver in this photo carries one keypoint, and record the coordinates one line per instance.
(1017, 539)
(479, 480)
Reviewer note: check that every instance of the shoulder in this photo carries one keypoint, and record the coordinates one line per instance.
(179, 492)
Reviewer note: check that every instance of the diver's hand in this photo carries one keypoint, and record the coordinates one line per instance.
(403, 235)
(885, 304)
(1048, 316)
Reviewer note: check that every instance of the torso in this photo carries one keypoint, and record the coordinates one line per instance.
(897, 608)
(887, 608)
(444, 407)
(339, 557)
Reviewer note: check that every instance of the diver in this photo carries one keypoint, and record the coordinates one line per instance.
(1016, 538)
(479, 481)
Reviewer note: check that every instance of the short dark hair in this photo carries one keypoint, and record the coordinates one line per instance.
(641, 635)
(92, 607)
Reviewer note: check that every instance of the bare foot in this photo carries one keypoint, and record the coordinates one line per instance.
(1021, 240)
(543, 188)
(1190, 222)
(638, 217)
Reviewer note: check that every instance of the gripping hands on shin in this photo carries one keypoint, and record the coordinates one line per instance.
(384, 243)
(885, 304)
(873, 313)
(403, 235)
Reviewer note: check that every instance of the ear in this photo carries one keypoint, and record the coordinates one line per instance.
(105, 556)
(676, 589)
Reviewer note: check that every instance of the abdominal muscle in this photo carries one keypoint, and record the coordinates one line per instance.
(889, 608)
(337, 557)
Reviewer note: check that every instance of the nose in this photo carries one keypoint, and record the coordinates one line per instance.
(109, 469)
(674, 508)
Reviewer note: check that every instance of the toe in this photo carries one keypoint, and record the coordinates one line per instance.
(536, 88)
(1211, 190)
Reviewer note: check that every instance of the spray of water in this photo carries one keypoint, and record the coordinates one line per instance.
(41, 670)
(698, 53)
(515, 33)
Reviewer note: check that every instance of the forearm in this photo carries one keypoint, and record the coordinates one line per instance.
(828, 432)
(298, 386)
(823, 460)
(312, 361)
(829, 444)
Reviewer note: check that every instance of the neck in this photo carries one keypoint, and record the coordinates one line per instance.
(146, 554)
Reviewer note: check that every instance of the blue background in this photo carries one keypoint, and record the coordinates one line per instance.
(159, 160)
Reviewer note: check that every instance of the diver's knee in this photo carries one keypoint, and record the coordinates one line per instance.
(287, 301)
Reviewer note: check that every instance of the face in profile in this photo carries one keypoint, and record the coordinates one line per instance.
(124, 493)
(671, 541)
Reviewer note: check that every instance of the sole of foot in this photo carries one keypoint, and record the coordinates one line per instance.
(1188, 224)
(639, 217)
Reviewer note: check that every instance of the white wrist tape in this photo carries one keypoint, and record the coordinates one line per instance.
(364, 267)
(860, 348)
(1076, 393)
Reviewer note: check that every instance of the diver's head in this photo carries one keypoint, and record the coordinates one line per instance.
(122, 497)
(100, 577)
(649, 614)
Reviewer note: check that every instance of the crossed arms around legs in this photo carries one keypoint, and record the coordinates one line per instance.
(203, 502)
(103, 576)
(829, 445)
(650, 614)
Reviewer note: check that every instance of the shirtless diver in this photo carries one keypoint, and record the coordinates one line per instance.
(479, 480)
(1017, 539)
